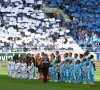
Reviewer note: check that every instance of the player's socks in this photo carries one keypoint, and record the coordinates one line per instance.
(92, 83)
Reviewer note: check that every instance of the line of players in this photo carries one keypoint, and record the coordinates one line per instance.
(75, 70)
(72, 69)
(20, 69)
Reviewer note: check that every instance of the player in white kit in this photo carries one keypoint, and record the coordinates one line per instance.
(9, 68)
(12, 68)
(30, 70)
(24, 70)
(17, 68)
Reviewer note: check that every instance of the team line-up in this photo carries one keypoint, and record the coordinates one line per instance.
(76, 69)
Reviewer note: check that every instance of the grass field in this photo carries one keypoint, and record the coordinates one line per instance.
(20, 84)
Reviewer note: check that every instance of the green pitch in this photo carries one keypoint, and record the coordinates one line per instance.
(20, 84)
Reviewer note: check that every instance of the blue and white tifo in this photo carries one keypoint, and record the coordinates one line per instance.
(35, 25)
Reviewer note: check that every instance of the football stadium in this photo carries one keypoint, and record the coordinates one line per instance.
(49, 44)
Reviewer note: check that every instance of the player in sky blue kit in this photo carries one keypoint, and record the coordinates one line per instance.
(75, 60)
(53, 73)
(87, 73)
(87, 56)
(56, 72)
(66, 65)
(71, 71)
(81, 64)
(91, 61)
(81, 57)
(76, 71)
(79, 72)
(61, 71)
(75, 57)
(70, 56)
(66, 56)
(83, 70)
(50, 73)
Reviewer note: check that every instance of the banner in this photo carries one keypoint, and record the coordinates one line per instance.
(97, 55)
(6, 56)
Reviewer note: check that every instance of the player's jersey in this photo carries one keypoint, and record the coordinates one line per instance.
(62, 69)
(87, 58)
(32, 68)
(81, 59)
(71, 68)
(17, 67)
(23, 67)
(91, 66)
(66, 66)
(12, 65)
(71, 58)
(50, 70)
(56, 69)
(28, 69)
(66, 58)
(9, 66)
(75, 59)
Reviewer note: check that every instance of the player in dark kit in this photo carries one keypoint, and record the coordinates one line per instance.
(45, 65)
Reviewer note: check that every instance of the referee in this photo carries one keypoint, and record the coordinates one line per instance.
(45, 65)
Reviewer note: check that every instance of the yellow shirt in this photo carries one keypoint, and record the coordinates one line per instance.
(67, 19)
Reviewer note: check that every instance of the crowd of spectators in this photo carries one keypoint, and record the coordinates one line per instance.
(83, 21)
(23, 27)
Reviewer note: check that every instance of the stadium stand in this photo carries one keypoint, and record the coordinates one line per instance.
(83, 20)
(23, 27)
